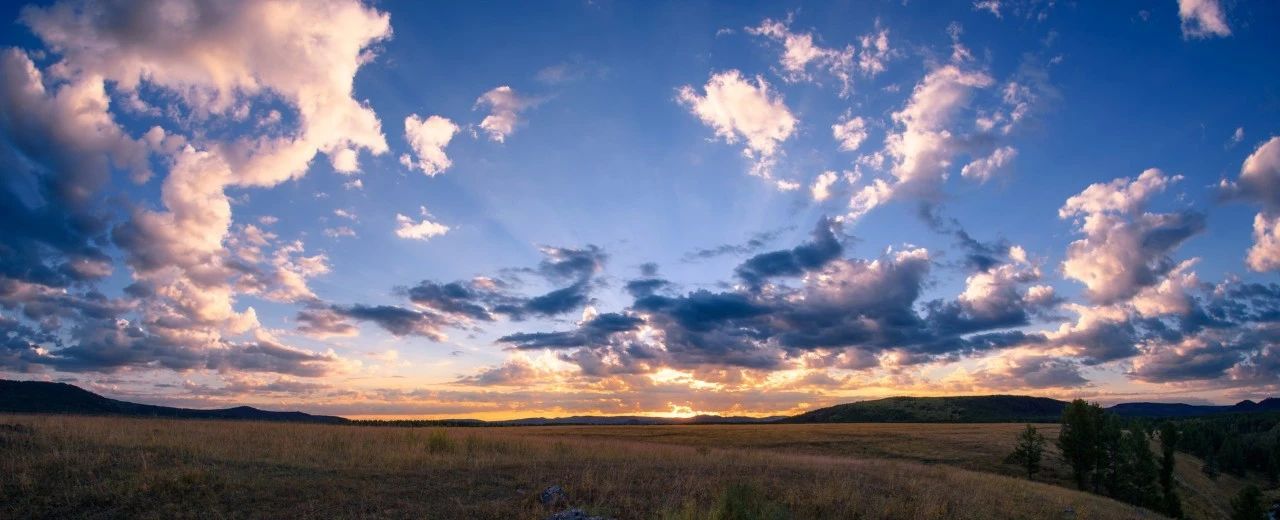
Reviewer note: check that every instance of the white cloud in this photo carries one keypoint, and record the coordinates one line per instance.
(346, 160)
(216, 61)
(1119, 196)
(850, 133)
(1264, 254)
(407, 227)
(991, 6)
(1202, 19)
(504, 110)
(738, 109)
(800, 53)
(1260, 182)
(339, 232)
(1125, 249)
(821, 188)
(984, 168)
(923, 147)
(428, 138)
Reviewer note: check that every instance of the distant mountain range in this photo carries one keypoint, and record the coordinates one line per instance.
(62, 398)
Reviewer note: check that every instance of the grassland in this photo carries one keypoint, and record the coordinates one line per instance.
(88, 467)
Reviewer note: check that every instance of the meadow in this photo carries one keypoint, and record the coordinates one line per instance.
(99, 467)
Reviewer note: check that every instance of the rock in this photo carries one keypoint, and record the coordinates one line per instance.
(574, 514)
(552, 496)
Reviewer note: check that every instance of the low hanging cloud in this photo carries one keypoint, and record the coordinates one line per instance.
(428, 138)
(739, 109)
(844, 308)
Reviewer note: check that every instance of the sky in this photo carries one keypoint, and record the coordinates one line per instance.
(417, 209)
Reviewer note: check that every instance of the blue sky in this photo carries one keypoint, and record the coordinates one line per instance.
(588, 145)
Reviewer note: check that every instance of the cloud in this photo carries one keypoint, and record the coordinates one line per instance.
(991, 6)
(821, 189)
(924, 144)
(425, 229)
(823, 247)
(505, 106)
(1124, 249)
(212, 65)
(983, 169)
(1264, 254)
(851, 309)
(850, 133)
(1202, 19)
(1031, 372)
(757, 242)
(1259, 182)
(800, 52)
(428, 138)
(738, 109)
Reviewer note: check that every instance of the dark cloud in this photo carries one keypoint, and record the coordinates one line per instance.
(754, 244)
(978, 255)
(593, 331)
(823, 247)
(645, 286)
(396, 320)
(853, 306)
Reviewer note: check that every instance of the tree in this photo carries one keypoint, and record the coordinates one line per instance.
(1171, 504)
(1135, 477)
(1247, 505)
(1078, 440)
(1029, 452)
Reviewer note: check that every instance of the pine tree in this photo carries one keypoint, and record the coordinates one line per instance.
(1078, 440)
(1029, 452)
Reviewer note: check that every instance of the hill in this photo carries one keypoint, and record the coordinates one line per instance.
(62, 398)
(975, 409)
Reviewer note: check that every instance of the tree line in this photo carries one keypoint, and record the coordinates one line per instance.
(1112, 456)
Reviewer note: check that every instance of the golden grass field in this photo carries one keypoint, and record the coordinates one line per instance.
(93, 467)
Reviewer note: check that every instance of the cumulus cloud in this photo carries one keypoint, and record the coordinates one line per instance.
(924, 144)
(213, 64)
(739, 109)
(821, 189)
(850, 133)
(425, 229)
(1124, 249)
(504, 106)
(428, 138)
(1202, 19)
(1259, 182)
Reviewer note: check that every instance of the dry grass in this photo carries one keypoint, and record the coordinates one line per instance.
(81, 467)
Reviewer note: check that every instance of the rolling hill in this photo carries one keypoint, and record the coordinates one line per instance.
(44, 397)
(987, 408)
